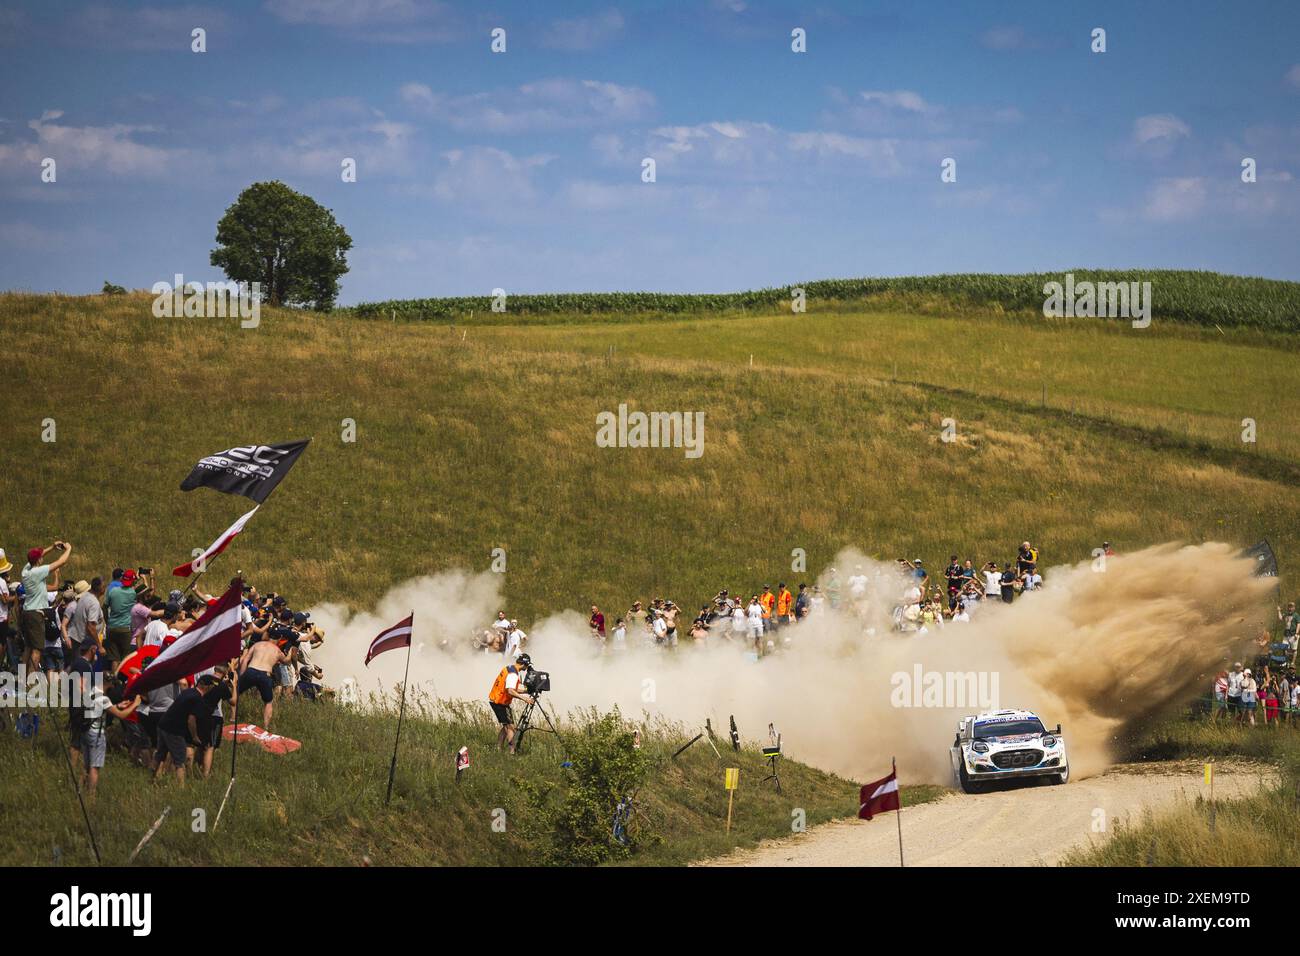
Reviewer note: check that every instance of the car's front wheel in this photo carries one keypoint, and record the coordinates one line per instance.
(1063, 776)
(963, 778)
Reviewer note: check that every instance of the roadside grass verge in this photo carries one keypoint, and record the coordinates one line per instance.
(324, 804)
(1258, 830)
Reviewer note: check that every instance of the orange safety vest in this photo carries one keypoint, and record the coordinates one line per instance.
(767, 600)
(783, 604)
(498, 693)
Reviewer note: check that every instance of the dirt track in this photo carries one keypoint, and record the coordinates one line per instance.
(1010, 827)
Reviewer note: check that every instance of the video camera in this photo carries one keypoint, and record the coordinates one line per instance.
(536, 682)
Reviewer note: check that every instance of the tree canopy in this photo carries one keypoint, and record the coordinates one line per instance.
(286, 241)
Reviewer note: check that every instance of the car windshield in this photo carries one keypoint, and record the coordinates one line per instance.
(1008, 728)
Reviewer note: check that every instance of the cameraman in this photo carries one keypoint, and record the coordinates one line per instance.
(505, 688)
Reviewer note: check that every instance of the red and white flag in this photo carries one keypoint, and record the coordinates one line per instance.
(271, 743)
(213, 639)
(399, 635)
(880, 796)
(214, 549)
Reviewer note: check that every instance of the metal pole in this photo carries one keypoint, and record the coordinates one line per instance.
(898, 814)
(54, 719)
(392, 766)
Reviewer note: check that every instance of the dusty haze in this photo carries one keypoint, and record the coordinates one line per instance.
(1098, 652)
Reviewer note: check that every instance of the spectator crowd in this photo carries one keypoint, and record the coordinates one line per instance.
(768, 619)
(94, 635)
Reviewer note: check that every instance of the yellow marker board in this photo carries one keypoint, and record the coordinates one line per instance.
(732, 781)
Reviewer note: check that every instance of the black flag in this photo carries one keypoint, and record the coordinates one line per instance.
(1265, 559)
(249, 470)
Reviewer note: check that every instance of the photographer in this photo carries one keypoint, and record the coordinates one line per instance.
(506, 688)
(36, 598)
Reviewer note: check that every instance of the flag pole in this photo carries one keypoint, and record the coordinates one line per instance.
(392, 766)
(234, 744)
(898, 814)
(76, 785)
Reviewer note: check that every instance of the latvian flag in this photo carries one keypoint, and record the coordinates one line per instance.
(879, 797)
(214, 549)
(213, 639)
(399, 635)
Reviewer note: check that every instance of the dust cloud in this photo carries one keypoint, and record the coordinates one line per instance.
(1100, 652)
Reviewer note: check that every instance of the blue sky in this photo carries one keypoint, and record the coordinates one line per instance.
(522, 170)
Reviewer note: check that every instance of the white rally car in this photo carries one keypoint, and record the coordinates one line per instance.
(1007, 745)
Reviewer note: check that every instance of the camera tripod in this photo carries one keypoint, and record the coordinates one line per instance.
(525, 722)
(773, 755)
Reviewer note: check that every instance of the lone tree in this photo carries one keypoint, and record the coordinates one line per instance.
(286, 241)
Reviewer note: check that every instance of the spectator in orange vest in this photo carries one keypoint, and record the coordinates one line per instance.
(767, 600)
(784, 604)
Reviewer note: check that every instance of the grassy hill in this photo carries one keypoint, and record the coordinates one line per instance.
(821, 430)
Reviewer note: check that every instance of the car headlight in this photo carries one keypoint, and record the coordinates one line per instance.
(980, 747)
(1049, 742)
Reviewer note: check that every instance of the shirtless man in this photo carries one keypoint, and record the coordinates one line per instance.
(255, 667)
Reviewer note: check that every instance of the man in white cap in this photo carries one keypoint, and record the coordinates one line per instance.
(515, 639)
(1235, 679)
(1249, 695)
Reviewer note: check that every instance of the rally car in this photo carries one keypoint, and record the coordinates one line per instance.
(1007, 745)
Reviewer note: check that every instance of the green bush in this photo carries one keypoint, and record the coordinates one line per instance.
(578, 816)
(111, 289)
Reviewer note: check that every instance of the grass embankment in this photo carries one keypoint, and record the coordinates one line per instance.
(324, 804)
(1259, 830)
(473, 439)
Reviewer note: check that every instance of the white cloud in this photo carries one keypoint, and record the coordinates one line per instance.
(905, 100)
(1175, 199)
(755, 152)
(487, 176)
(1005, 38)
(111, 148)
(382, 21)
(144, 28)
(543, 105)
(879, 154)
(583, 33)
(1159, 127)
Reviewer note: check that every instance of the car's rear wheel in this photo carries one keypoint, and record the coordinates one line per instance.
(963, 778)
